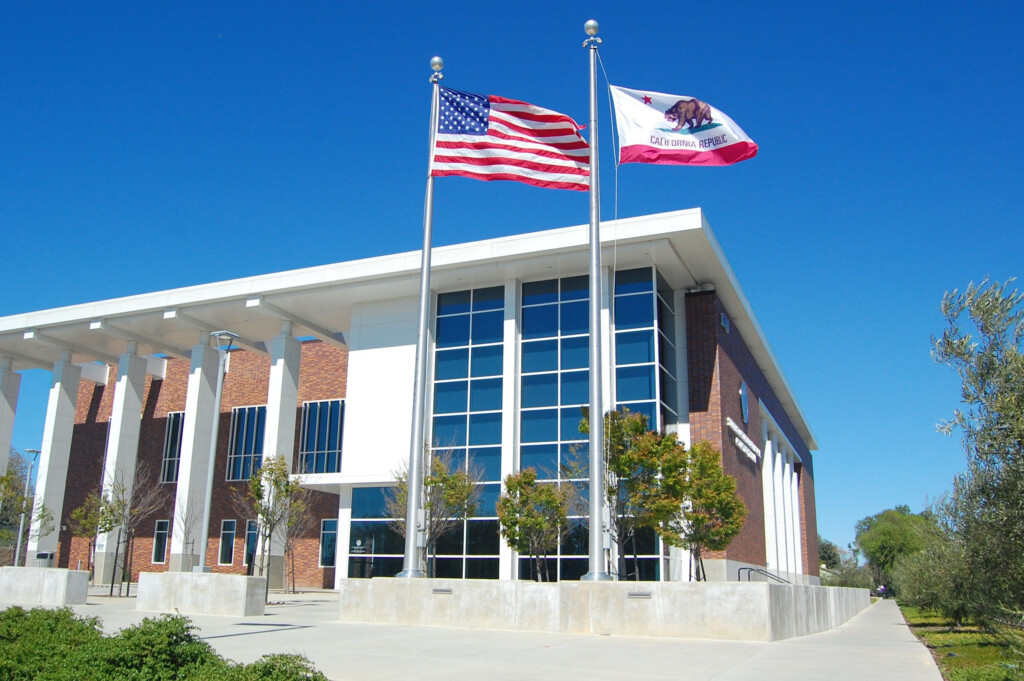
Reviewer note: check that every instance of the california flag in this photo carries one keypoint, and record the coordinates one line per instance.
(659, 128)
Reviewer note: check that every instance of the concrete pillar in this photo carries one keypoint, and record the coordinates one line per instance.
(10, 383)
(279, 434)
(794, 513)
(780, 508)
(344, 534)
(56, 452)
(767, 484)
(197, 432)
(122, 450)
(509, 410)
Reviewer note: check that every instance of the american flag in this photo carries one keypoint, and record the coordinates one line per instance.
(494, 138)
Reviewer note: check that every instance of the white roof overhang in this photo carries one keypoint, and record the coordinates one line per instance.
(319, 300)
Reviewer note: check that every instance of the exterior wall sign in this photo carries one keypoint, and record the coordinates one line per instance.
(743, 441)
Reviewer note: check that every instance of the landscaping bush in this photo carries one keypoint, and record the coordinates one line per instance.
(57, 645)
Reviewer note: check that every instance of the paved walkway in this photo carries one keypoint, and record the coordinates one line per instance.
(876, 644)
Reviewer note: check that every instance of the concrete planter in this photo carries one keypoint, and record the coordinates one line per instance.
(719, 610)
(192, 593)
(43, 585)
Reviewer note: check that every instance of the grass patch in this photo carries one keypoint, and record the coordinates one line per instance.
(968, 653)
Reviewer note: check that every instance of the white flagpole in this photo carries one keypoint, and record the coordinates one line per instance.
(596, 571)
(411, 566)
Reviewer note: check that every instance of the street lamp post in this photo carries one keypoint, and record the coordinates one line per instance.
(224, 340)
(24, 503)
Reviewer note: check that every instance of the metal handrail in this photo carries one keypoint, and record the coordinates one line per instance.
(760, 572)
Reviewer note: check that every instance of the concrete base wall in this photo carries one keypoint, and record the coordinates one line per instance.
(739, 611)
(201, 593)
(43, 586)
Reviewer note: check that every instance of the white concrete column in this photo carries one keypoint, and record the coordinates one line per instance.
(794, 515)
(344, 534)
(56, 453)
(279, 435)
(122, 447)
(780, 507)
(10, 383)
(787, 503)
(197, 432)
(767, 484)
(509, 410)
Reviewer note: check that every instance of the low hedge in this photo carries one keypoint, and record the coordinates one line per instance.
(58, 645)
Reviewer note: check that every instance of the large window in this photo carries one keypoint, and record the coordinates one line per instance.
(227, 543)
(375, 548)
(160, 541)
(555, 387)
(467, 422)
(645, 378)
(245, 449)
(251, 538)
(328, 541)
(172, 446)
(320, 443)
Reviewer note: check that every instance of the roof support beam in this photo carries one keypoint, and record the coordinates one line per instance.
(36, 334)
(25, 359)
(120, 331)
(258, 347)
(335, 338)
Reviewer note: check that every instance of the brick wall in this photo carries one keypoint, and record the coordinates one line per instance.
(718, 362)
(322, 375)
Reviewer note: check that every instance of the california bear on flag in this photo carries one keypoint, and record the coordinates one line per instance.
(673, 129)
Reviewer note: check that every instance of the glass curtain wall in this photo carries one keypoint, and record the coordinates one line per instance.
(555, 382)
(645, 378)
(467, 404)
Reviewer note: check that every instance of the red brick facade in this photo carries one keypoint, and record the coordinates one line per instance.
(322, 376)
(718, 361)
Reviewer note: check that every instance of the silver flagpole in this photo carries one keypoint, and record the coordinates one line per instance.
(411, 567)
(596, 571)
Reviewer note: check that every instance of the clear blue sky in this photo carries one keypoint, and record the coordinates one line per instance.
(154, 145)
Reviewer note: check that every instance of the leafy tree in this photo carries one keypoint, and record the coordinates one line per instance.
(449, 496)
(983, 343)
(885, 537)
(646, 483)
(848, 572)
(93, 517)
(533, 517)
(828, 553)
(713, 514)
(933, 577)
(272, 497)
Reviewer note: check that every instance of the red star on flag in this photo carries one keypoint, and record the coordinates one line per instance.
(647, 100)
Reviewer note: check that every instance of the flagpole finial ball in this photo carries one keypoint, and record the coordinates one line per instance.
(437, 63)
(591, 27)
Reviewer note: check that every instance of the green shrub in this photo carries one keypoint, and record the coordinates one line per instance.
(43, 644)
(58, 645)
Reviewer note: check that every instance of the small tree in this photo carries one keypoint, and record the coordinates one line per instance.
(713, 514)
(828, 553)
(187, 517)
(449, 496)
(646, 480)
(130, 502)
(93, 517)
(272, 497)
(300, 522)
(533, 517)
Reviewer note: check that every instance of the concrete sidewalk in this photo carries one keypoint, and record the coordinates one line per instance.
(876, 644)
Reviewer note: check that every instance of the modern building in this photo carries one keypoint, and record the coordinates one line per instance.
(321, 373)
